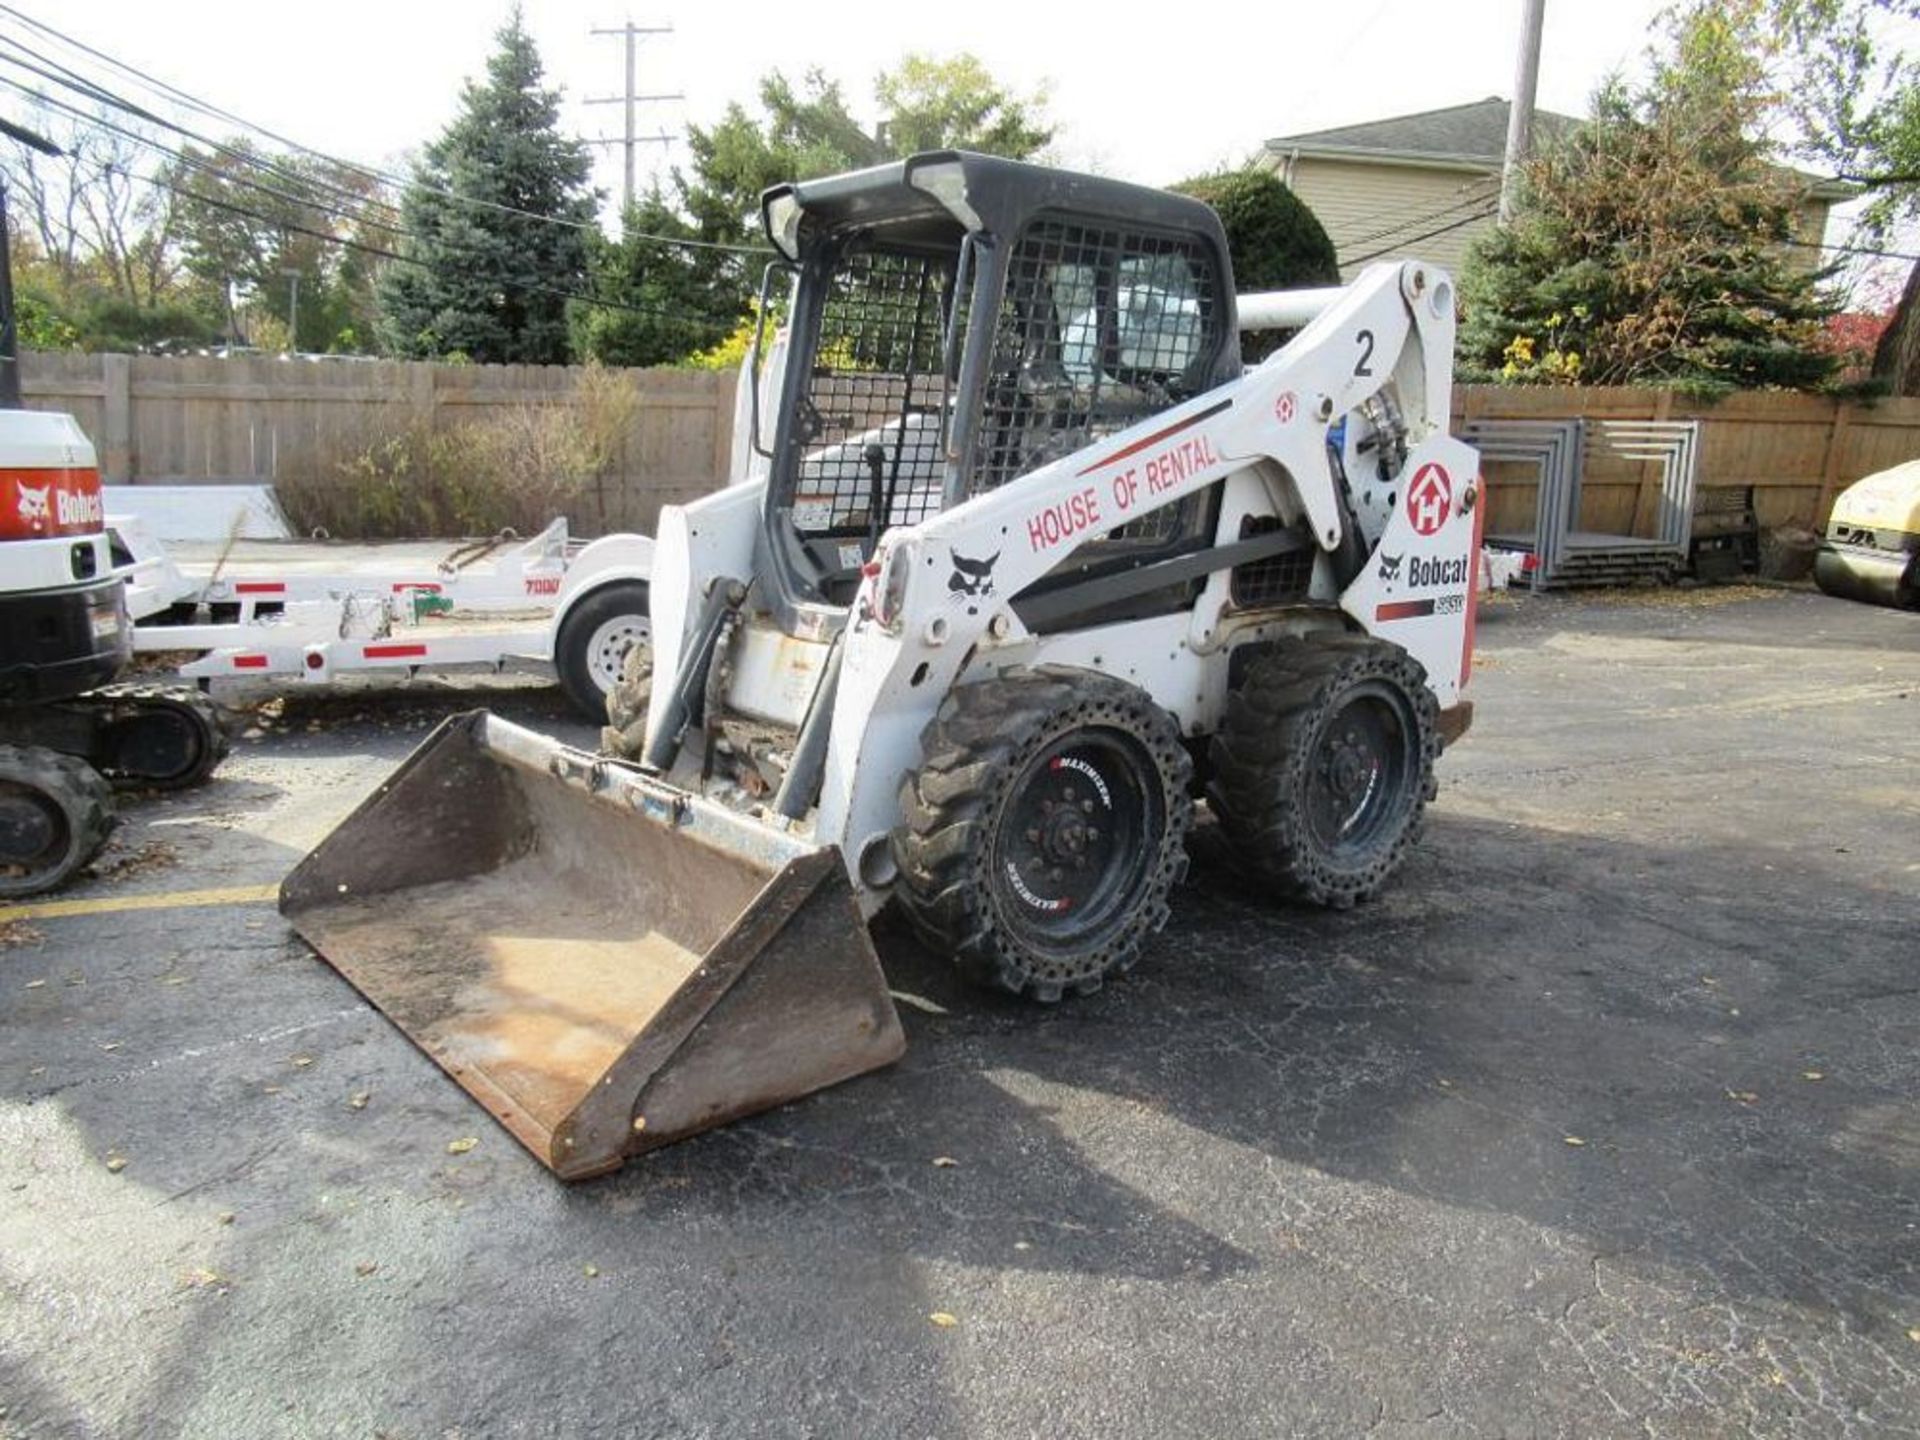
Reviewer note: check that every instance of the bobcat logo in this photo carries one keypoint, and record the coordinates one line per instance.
(1390, 567)
(971, 579)
(34, 510)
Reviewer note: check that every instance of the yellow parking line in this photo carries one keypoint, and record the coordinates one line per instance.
(167, 900)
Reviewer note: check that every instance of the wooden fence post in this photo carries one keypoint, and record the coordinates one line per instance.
(1830, 467)
(116, 407)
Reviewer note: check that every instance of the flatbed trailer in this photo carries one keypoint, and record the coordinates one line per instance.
(310, 611)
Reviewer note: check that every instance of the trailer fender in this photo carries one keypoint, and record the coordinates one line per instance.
(602, 562)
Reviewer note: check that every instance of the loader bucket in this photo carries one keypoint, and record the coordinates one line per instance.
(604, 962)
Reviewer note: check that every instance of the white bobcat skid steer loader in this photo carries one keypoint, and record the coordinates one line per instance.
(1034, 564)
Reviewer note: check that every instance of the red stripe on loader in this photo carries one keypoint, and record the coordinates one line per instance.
(249, 662)
(1473, 579)
(1403, 610)
(394, 652)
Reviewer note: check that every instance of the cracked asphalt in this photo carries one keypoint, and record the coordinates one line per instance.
(1605, 1121)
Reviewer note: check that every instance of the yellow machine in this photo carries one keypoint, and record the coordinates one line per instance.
(1872, 549)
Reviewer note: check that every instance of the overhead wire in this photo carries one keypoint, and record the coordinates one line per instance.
(158, 86)
(1416, 239)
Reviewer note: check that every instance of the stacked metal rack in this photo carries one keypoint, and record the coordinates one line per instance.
(1560, 553)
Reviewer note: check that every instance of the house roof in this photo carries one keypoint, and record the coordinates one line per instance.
(1471, 136)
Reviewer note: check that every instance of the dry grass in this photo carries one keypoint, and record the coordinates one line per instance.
(517, 468)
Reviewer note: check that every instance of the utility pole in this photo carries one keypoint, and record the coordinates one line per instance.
(1526, 79)
(631, 141)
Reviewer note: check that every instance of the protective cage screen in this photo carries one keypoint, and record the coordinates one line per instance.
(875, 395)
(1098, 328)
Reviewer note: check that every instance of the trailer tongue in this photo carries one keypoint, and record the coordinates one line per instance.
(606, 964)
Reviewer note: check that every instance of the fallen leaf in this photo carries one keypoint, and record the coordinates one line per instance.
(1574, 1140)
(590, 1271)
(365, 1268)
(301, 1062)
(1745, 1097)
(1023, 1245)
(111, 1045)
(462, 1146)
(270, 1089)
(944, 1162)
(943, 1319)
(358, 1100)
(202, 1279)
(35, 984)
(1812, 1075)
(1914, 1334)
(1444, 1083)
(225, 1217)
(116, 1163)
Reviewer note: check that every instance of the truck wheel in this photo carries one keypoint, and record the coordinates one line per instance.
(161, 738)
(55, 812)
(625, 733)
(1040, 839)
(1323, 766)
(594, 640)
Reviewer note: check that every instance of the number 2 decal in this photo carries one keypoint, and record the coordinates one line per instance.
(1364, 365)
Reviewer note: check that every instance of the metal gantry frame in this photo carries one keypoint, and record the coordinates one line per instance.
(1561, 552)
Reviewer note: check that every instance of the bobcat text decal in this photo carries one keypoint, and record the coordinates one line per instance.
(41, 504)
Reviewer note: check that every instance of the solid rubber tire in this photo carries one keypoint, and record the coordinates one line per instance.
(1264, 749)
(976, 749)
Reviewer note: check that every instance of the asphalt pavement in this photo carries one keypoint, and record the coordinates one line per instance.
(1605, 1121)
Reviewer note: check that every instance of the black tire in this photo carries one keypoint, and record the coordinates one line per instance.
(55, 812)
(1003, 861)
(625, 733)
(593, 642)
(1323, 766)
(160, 738)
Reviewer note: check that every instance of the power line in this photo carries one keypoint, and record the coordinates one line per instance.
(1416, 239)
(380, 252)
(1481, 198)
(100, 93)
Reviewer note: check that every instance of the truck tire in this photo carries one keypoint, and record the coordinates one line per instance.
(1323, 766)
(55, 812)
(594, 639)
(1039, 841)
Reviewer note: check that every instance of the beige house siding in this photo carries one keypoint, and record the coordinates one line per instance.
(1368, 206)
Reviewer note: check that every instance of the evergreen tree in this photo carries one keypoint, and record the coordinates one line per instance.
(1653, 244)
(498, 214)
(673, 299)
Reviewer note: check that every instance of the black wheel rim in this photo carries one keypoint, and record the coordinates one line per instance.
(34, 832)
(1077, 837)
(1359, 782)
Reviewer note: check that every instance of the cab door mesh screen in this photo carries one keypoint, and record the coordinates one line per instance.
(1098, 328)
(874, 395)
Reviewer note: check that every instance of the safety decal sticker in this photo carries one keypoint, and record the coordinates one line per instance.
(1430, 499)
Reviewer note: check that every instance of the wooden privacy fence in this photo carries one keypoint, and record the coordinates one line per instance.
(1796, 451)
(191, 420)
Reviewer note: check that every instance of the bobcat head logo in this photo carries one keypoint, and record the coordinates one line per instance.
(971, 578)
(1390, 567)
(34, 510)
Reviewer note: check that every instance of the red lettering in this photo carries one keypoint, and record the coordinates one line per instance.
(1066, 518)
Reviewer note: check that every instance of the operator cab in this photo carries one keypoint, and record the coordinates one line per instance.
(961, 320)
